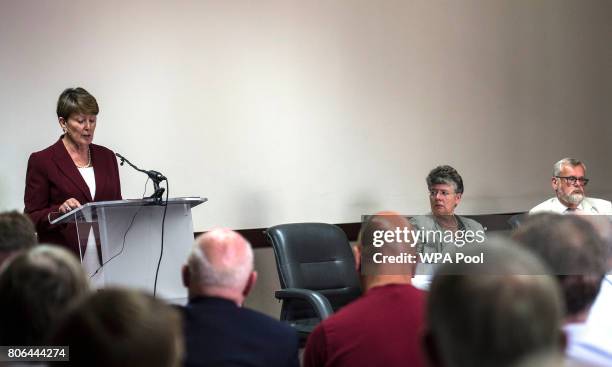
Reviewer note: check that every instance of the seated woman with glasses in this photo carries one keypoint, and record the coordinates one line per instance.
(442, 232)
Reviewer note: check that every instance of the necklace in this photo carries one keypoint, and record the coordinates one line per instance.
(69, 149)
(451, 227)
(88, 160)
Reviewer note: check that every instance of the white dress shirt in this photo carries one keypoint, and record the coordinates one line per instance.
(591, 341)
(587, 206)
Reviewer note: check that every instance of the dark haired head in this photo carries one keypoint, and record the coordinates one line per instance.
(121, 327)
(573, 250)
(16, 232)
(35, 287)
(496, 314)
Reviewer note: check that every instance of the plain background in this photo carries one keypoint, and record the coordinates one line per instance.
(283, 111)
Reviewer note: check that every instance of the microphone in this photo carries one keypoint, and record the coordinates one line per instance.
(122, 158)
(155, 176)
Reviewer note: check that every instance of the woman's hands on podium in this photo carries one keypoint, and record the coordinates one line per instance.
(68, 205)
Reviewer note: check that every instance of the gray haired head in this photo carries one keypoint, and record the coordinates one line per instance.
(573, 162)
(445, 175)
(221, 258)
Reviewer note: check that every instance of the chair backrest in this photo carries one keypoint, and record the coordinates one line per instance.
(316, 256)
(516, 220)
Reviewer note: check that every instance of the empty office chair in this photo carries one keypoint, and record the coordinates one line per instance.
(317, 272)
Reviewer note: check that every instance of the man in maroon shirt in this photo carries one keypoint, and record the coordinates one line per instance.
(383, 327)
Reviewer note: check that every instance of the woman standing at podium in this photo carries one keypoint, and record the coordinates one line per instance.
(71, 172)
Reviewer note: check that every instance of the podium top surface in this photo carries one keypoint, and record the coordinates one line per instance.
(191, 201)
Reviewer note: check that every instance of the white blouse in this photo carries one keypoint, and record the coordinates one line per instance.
(90, 179)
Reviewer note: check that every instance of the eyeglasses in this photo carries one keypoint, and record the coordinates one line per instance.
(573, 179)
(444, 193)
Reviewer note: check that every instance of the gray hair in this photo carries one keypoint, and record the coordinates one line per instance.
(227, 275)
(558, 167)
(495, 318)
(445, 175)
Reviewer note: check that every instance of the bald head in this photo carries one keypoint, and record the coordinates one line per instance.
(220, 263)
(384, 222)
(383, 236)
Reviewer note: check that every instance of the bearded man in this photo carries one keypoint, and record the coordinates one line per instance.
(569, 183)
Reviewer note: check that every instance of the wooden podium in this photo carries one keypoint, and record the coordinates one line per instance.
(123, 238)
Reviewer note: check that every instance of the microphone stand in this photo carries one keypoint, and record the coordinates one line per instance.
(156, 178)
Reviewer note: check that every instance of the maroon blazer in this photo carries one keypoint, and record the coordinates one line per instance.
(52, 178)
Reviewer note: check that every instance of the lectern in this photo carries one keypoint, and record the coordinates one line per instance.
(120, 242)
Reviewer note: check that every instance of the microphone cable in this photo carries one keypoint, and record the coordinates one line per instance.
(124, 235)
(157, 178)
(161, 251)
(122, 245)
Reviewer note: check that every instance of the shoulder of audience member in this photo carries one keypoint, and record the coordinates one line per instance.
(285, 337)
(272, 323)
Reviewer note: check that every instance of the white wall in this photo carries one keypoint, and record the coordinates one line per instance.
(282, 111)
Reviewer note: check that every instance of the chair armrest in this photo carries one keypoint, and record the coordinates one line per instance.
(317, 300)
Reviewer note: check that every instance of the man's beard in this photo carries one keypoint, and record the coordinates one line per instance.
(573, 198)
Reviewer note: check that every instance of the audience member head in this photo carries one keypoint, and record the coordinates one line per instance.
(375, 273)
(575, 253)
(220, 265)
(35, 287)
(16, 233)
(120, 327)
(569, 181)
(603, 227)
(445, 187)
(506, 310)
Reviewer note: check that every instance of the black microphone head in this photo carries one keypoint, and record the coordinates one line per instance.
(154, 175)
(121, 158)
